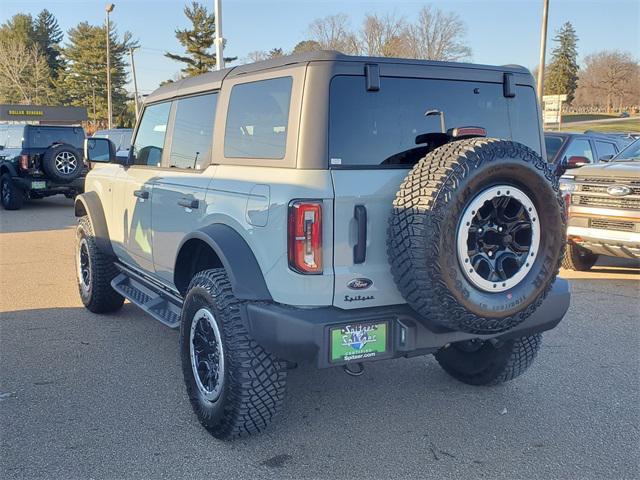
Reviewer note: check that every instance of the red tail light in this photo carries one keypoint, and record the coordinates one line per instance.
(305, 236)
(24, 162)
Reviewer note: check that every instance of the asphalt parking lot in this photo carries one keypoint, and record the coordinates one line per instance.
(88, 396)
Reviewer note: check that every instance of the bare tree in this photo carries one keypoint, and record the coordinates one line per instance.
(332, 33)
(437, 35)
(24, 73)
(609, 79)
(383, 36)
(256, 56)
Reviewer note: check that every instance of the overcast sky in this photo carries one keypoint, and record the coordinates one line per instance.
(498, 31)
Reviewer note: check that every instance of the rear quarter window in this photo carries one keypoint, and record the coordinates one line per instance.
(257, 119)
(377, 128)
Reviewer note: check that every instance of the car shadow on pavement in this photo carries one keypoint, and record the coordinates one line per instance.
(51, 213)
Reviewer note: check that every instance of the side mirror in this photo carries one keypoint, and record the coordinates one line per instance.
(577, 161)
(99, 150)
(605, 158)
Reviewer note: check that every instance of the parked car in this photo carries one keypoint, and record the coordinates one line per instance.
(38, 161)
(121, 138)
(572, 150)
(603, 210)
(329, 209)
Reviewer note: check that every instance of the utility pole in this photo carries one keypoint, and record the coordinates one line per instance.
(219, 41)
(543, 48)
(109, 8)
(135, 82)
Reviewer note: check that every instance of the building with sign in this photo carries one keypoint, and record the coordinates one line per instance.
(42, 114)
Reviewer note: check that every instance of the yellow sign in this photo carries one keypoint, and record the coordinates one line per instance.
(35, 113)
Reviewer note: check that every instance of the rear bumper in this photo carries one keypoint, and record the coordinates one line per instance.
(302, 335)
(51, 188)
(606, 242)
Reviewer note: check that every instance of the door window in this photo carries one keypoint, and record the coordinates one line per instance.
(149, 143)
(605, 148)
(579, 147)
(257, 119)
(193, 132)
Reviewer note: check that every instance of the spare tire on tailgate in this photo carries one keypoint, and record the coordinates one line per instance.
(477, 235)
(62, 163)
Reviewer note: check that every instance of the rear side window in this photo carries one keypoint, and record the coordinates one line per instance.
(257, 120)
(605, 148)
(380, 128)
(193, 131)
(149, 143)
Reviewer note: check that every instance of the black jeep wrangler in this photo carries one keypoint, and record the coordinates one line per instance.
(38, 161)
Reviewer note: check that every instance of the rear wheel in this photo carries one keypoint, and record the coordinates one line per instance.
(235, 386)
(11, 195)
(578, 258)
(94, 272)
(490, 362)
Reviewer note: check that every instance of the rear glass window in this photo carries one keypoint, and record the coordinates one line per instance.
(193, 131)
(38, 137)
(552, 145)
(258, 118)
(380, 128)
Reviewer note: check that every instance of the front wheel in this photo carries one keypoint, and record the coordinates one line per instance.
(11, 195)
(578, 258)
(490, 362)
(235, 386)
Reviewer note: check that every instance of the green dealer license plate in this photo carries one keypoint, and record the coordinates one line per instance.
(38, 185)
(358, 341)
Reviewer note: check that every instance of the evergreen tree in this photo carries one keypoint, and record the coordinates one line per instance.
(19, 27)
(197, 41)
(48, 36)
(562, 73)
(85, 76)
(307, 46)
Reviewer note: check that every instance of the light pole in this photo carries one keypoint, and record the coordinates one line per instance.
(109, 8)
(543, 48)
(135, 82)
(219, 40)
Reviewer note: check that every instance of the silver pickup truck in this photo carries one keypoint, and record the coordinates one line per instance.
(604, 210)
(329, 209)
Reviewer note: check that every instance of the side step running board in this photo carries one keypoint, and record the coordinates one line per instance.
(162, 306)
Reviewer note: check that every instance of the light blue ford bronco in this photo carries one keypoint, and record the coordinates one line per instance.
(329, 209)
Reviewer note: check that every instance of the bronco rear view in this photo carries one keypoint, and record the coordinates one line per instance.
(328, 209)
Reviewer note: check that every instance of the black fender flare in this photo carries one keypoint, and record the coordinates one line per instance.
(237, 259)
(9, 167)
(89, 203)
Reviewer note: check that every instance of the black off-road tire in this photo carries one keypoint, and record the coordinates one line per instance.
(254, 380)
(578, 258)
(423, 226)
(489, 363)
(11, 195)
(58, 152)
(97, 294)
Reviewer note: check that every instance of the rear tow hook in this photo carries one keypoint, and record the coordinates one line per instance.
(349, 370)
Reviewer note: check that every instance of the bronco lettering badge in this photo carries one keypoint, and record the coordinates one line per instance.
(359, 283)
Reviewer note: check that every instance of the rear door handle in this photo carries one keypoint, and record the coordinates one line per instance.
(144, 194)
(187, 202)
(360, 248)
